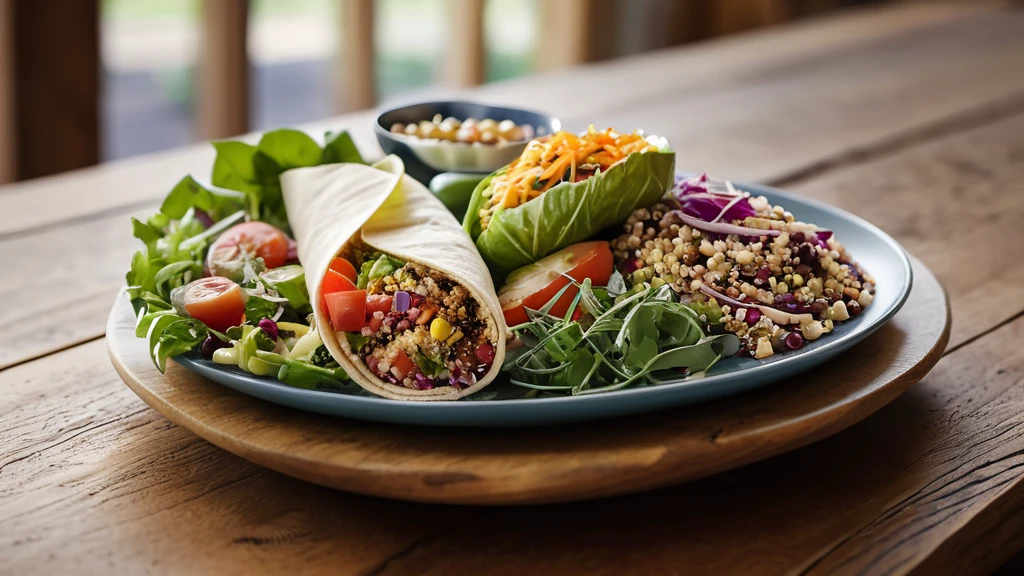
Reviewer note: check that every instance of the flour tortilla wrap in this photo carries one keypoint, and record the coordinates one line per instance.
(330, 206)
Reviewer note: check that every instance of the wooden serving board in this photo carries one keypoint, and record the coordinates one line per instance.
(552, 464)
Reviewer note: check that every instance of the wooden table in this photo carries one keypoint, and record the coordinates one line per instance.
(910, 116)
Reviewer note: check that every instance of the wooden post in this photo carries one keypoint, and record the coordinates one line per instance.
(737, 15)
(8, 159)
(222, 102)
(465, 43)
(55, 91)
(576, 31)
(354, 78)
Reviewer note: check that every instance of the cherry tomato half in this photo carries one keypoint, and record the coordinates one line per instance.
(246, 240)
(347, 310)
(215, 301)
(533, 285)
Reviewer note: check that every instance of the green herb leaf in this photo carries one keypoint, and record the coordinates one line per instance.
(257, 308)
(339, 147)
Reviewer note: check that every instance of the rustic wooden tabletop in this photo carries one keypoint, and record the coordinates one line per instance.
(911, 116)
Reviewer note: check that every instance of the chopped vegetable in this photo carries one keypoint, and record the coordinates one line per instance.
(535, 284)
(347, 310)
(290, 282)
(345, 268)
(243, 243)
(215, 301)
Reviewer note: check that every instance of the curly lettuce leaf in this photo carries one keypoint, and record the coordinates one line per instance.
(568, 212)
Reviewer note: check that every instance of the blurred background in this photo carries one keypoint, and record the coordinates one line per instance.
(88, 81)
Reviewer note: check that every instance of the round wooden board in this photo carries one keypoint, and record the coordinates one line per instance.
(553, 464)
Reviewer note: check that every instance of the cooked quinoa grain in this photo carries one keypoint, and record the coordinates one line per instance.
(798, 280)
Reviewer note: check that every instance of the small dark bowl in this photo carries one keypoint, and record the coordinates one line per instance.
(425, 158)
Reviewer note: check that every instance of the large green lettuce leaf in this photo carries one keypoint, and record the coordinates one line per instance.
(568, 212)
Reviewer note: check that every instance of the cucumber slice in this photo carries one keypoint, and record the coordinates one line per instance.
(290, 282)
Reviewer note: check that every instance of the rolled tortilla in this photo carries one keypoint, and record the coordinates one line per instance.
(330, 206)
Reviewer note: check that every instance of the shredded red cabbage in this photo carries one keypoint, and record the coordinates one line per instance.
(704, 198)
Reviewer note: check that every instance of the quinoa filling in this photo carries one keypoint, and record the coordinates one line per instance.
(423, 330)
(775, 284)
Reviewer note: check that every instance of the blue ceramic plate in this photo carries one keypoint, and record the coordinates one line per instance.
(500, 404)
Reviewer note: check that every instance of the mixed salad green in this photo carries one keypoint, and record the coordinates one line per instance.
(609, 339)
(218, 272)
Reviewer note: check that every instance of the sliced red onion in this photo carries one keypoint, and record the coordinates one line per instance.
(777, 316)
(402, 301)
(423, 382)
(721, 228)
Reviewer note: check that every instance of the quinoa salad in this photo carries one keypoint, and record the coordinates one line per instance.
(748, 267)
(419, 328)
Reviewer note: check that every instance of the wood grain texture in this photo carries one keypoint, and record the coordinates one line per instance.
(222, 104)
(519, 466)
(77, 476)
(879, 498)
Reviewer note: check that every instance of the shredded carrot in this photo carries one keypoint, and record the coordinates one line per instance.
(548, 161)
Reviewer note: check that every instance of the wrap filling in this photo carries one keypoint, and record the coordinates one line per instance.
(411, 325)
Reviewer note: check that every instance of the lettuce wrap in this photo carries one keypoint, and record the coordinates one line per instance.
(410, 255)
(567, 212)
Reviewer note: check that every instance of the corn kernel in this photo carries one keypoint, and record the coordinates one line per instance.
(440, 329)
(454, 337)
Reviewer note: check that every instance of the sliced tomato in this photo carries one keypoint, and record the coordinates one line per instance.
(379, 303)
(334, 282)
(347, 310)
(345, 268)
(215, 301)
(244, 241)
(534, 285)
(403, 364)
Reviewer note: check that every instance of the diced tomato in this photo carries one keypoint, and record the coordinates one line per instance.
(345, 268)
(347, 310)
(334, 282)
(534, 285)
(379, 302)
(215, 301)
(374, 322)
(403, 364)
(247, 240)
